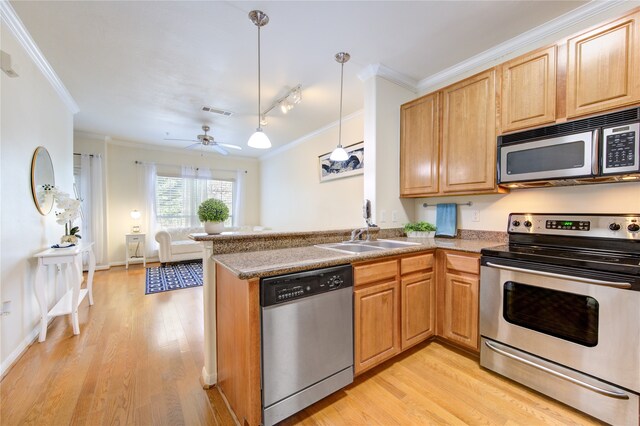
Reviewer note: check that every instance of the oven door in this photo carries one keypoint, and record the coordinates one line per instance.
(565, 157)
(587, 324)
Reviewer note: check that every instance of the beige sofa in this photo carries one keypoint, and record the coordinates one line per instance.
(175, 245)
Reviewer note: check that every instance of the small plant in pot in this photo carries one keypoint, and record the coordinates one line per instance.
(213, 213)
(420, 230)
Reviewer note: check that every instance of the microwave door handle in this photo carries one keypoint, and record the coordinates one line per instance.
(612, 394)
(595, 158)
(568, 277)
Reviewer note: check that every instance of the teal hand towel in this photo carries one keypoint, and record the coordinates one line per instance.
(446, 220)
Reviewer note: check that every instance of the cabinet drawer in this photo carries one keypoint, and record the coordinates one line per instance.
(365, 274)
(470, 264)
(134, 239)
(416, 263)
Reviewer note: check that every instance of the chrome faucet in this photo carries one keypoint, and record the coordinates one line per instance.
(357, 234)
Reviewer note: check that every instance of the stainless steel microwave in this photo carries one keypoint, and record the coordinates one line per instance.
(598, 149)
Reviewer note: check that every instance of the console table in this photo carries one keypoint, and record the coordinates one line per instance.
(71, 259)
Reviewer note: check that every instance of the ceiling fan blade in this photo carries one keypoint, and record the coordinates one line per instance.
(193, 145)
(181, 140)
(228, 145)
(220, 149)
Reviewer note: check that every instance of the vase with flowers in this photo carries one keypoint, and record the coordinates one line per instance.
(69, 211)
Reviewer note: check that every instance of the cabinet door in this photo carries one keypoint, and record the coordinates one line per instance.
(469, 136)
(460, 323)
(418, 308)
(419, 147)
(376, 324)
(529, 90)
(602, 72)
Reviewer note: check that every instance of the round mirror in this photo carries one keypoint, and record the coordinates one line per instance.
(42, 180)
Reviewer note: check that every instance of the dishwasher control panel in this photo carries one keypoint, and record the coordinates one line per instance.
(284, 288)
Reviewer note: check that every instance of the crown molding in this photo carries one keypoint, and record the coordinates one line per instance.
(17, 28)
(308, 136)
(379, 70)
(532, 36)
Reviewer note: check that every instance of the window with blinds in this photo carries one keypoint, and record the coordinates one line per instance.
(178, 198)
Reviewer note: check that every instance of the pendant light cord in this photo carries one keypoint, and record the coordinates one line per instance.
(340, 120)
(259, 128)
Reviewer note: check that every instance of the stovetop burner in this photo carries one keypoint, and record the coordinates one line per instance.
(603, 243)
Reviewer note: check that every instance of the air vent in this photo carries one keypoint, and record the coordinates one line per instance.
(214, 110)
(572, 127)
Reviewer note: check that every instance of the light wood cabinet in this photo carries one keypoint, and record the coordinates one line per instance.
(376, 322)
(417, 293)
(458, 291)
(417, 296)
(468, 159)
(528, 95)
(419, 147)
(603, 69)
(394, 307)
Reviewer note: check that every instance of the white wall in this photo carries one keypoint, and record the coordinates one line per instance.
(292, 196)
(494, 209)
(32, 114)
(382, 129)
(124, 191)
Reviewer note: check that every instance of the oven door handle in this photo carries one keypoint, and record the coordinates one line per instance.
(612, 394)
(568, 277)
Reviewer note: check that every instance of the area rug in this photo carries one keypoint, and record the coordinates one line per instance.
(173, 277)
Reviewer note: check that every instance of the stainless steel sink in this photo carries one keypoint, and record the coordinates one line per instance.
(366, 246)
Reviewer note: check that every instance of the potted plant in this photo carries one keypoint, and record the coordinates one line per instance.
(213, 213)
(420, 230)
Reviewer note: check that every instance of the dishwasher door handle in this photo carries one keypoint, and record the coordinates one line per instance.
(562, 276)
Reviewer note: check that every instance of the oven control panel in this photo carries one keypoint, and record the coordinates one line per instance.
(624, 226)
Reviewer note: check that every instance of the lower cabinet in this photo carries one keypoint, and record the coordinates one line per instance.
(376, 324)
(458, 301)
(393, 307)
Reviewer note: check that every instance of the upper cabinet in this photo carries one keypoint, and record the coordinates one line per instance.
(419, 146)
(603, 69)
(528, 96)
(468, 162)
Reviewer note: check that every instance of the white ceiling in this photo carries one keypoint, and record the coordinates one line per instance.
(140, 70)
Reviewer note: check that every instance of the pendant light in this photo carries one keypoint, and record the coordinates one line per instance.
(259, 139)
(339, 154)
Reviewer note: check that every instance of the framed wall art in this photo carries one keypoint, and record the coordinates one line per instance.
(354, 165)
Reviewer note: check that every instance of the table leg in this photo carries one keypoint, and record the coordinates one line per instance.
(92, 269)
(76, 279)
(41, 295)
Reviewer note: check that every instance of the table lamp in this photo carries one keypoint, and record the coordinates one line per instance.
(135, 215)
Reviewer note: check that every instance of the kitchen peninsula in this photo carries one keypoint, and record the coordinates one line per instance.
(234, 264)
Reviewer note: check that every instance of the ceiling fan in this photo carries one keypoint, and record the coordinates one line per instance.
(207, 141)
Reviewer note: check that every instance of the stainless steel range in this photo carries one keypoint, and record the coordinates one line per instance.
(560, 310)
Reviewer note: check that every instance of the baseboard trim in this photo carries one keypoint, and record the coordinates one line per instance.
(17, 353)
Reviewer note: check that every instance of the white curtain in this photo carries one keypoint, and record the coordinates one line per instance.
(194, 189)
(148, 180)
(92, 194)
(238, 202)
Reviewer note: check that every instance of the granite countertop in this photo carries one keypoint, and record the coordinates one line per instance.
(256, 264)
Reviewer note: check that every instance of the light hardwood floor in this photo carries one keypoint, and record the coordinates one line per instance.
(138, 360)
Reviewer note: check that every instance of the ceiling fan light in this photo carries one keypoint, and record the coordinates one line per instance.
(259, 140)
(339, 154)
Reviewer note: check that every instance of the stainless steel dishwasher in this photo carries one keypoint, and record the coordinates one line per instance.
(307, 339)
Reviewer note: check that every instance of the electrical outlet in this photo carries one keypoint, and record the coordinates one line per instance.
(383, 216)
(6, 307)
(476, 216)
(394, 216)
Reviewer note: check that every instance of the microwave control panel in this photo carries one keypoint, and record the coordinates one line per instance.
(621, 149)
